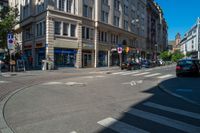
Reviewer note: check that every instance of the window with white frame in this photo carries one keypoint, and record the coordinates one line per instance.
(57, 28)
(116, 21)
(103, 36)
(104, 16)
(40, 6)
(116, 4)
(73, 30)
(125, 9)
(66, 29)
(87, 11)
(64, 5)
(125, 24)
(41, 28)
(87, 33)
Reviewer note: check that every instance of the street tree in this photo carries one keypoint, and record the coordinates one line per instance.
(177, 55)
(165, 56)
(9, 21)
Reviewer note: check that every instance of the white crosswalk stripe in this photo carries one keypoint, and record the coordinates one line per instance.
(120, 127)
(173, 110)
(123, 127)
(140, 74)
(152, 75)
(165, 76)
(130, 73)
(165, 121)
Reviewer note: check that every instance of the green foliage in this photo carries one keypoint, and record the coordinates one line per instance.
(165, 56)
(7, 24)
(177, 55)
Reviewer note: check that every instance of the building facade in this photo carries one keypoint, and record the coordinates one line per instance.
(157, 35)
(190, 44)
(3, 6)
(83, 33)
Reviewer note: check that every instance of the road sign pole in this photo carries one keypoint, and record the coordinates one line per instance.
(120, 59)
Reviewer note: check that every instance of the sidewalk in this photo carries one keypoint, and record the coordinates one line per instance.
(186, 88)
(60, 70)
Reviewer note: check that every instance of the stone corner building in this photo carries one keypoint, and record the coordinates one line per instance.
(86, 33)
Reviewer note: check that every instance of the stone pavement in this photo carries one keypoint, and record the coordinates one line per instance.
(186, 88)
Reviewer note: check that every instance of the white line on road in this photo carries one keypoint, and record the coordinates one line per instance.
(165, 76)
(130, 73)
(139, 74)
(100, 76)
(173, 110)
(151, 75)
(120, 127)
(165, 121)
(118, 73)
(53, 83)
(3, 82)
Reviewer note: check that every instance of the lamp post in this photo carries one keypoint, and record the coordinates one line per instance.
(156, 49)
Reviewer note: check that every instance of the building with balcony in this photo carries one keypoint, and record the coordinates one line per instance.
(83, 33)
(157, 35)
(190, 44)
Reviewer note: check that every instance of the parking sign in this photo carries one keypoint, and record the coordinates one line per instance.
(10, 41)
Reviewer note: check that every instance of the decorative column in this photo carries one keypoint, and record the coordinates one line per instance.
(80, 47)
(49, 53)
(96, 47)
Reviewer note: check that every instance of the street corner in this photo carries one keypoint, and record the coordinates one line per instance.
(178, 87)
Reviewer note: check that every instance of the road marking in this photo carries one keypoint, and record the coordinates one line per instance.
(149, 69)
(184, 90)
(3, 82)
(151, 75)
(120, 127)
(88, 77)
(100, 76)
(74, 83)
(173, 110)
(73, 132)
(139, 74)
(165, 76)
(118, 73)
(130, 73)
(53, 83)
(165, 121)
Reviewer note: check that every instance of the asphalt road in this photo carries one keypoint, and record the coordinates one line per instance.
(120, 101)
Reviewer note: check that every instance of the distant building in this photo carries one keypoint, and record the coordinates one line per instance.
(176, 45)
(3, 6)
(190, 44)
(170, 46)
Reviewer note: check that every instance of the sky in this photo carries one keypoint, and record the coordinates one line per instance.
(180, 15)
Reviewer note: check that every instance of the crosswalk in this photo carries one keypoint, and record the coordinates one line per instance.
(145, 74)
(122, 126)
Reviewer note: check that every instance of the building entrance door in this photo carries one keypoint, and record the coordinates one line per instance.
(87, 60)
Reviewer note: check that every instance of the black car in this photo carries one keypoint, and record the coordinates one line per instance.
(188, 67)
(130, 65)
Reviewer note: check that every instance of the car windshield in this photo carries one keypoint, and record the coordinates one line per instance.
(185, 62)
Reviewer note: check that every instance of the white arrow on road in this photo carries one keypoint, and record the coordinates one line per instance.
(132, 83)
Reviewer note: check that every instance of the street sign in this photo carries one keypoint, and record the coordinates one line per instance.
(10, 41)
(119, 49)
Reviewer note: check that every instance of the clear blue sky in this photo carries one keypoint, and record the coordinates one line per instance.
(181, 15)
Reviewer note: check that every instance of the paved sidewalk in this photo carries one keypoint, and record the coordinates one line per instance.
(60, 70)
(186, 88)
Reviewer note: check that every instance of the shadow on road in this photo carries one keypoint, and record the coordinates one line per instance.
(150, 114)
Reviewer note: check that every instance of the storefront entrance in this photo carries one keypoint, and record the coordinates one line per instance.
(65, 57)
(87, 60)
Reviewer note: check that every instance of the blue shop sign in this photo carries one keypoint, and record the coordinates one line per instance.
(65, 51)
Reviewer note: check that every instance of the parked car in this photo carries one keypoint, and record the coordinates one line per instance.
(146, 64)
(130, 65)
(188, 67)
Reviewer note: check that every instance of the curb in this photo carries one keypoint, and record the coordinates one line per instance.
(4, 127)
(163, 88)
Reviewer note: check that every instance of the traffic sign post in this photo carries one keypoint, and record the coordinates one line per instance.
(10, 43)
(119, 50)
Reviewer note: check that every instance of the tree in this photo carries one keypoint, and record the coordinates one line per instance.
(177, 55)
(165, 56)
(9, 20)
